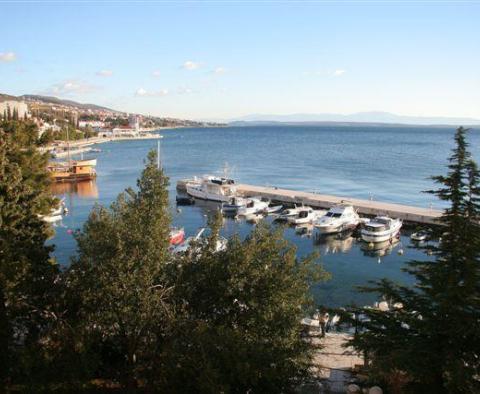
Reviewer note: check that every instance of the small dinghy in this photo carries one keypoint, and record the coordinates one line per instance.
(420, 236)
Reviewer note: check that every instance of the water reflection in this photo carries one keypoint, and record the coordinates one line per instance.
(336, 243)
(379, 249)
(85, 189)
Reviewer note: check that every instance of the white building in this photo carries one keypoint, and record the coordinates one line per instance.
(94, 124)
(20, 106)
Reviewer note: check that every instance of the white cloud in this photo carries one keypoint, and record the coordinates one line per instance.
(184, 90)
(6, 57)
(190, 65)
(220, 70)
(141, 92)
(338, 73)
(70, 87)
(105, 73)
(156, 73)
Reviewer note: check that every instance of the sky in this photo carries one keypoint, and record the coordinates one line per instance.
(225, 59)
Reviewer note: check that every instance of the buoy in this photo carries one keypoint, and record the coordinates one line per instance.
(69, 231)
(379, 260)
(400, 252)
(179, 210)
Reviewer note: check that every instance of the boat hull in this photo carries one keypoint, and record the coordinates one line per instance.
(202, 195)
(335, 228)
(369, 237)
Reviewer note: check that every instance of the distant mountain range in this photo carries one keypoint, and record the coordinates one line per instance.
(359, 117)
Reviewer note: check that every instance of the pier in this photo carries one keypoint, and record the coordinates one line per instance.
(365, 207)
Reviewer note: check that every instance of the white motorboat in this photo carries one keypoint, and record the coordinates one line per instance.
(289, 212)
(55, 214)
(273, 209)
(199, 239)
(234, 205)
(305, 215)
(212, 188)
(338, 219)
(381, 229)
(254, 205)
(420, 236)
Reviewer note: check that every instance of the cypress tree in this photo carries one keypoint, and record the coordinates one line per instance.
(432, 340)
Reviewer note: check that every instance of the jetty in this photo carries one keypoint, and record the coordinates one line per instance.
(407, 213)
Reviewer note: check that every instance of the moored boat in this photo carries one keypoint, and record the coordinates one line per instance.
(73, 171)
(233, 205)
(253, 205)
(212, 188)
(305, 215)
(381, 229)
(177, 235)
(187, 246)
(338, 219)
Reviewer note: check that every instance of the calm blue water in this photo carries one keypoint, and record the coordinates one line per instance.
(384, 163)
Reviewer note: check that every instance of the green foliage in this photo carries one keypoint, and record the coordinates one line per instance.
(434, 340)
(117, 280)
(241, 311)
(26, 271)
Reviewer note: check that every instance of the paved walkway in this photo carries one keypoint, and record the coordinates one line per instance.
(333, 363)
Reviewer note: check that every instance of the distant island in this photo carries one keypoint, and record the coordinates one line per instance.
(376, 118)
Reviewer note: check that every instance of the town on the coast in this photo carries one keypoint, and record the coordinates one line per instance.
(239, 197)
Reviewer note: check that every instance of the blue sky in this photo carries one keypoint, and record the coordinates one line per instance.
(214, 59)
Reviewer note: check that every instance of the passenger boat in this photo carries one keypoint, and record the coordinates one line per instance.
(212, 188)
(305, 215)
(75, 171)
(253, 205)
(338, 219)
(177, 235)
(381, 229)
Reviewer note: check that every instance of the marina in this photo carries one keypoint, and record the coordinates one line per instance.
(350, 260)
(366, 207)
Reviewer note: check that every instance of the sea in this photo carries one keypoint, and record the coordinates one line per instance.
(383, 163)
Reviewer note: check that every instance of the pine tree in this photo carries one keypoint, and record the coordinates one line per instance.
(117, 284)
(27, 273)
(433, 341)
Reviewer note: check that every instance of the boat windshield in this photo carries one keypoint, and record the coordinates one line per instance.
(333, 214)
(303, 214)
(375, 229)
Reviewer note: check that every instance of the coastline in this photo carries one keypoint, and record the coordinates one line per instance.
(85, 142)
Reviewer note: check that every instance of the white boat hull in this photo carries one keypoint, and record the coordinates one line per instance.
(202, 195)
(334, 228)
(368, 237)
